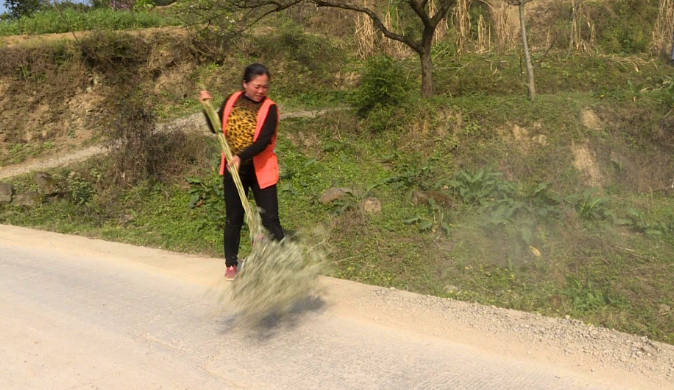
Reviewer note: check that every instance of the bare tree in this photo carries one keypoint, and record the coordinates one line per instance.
(421, 46)
(248, 12)
(531, 85)
(232, 16)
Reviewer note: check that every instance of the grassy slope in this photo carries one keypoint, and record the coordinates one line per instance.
(64, 93)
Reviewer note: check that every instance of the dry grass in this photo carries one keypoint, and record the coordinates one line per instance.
(462, 25)
(370, 42)
(366, 35)
(664, 26)
(393, 48)
(506, 27)
(483, 43)
(443, 28)
(581, 26)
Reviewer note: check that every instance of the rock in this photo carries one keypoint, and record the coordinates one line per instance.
(335, 193)
(3, 137)
(649, 349)
(31, 199)
(6, 192)
(46, 185)
(425, 196)
(371, 206)
(662, 308)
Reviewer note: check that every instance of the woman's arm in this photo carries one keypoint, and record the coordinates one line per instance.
(266, 134)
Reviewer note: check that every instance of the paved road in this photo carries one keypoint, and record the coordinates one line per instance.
(84, 319)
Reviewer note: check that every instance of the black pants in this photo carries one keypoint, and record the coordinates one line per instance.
(266, 201)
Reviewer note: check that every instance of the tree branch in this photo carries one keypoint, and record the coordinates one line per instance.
(540, 61)
(249, 8)
(416, 46)
(420, 10)
(516, 3)
(255, 4)
(442, 12)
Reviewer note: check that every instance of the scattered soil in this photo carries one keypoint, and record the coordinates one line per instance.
(585, 163)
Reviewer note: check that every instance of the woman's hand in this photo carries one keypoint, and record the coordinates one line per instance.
(204, 95)
(236, 163)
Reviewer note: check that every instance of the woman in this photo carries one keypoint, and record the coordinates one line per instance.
(249, 121)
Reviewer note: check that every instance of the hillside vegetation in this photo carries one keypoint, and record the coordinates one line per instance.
(561, 206)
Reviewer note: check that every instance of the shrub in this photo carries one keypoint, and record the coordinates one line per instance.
(382, 117)
(75, 18)
(627, 27)
(141, 152)
(382, 84)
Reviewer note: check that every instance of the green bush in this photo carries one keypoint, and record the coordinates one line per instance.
(382, 84)
(382, 117)
(79, 190)
(51, 21)
(627, 27)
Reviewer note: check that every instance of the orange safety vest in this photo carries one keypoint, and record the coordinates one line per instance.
(265, 163)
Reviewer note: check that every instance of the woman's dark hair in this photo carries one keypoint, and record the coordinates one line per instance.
(254, 70)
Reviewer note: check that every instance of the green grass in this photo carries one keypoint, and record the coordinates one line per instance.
(501, 75)
(559, 251)
(51, 21)
(19, 152)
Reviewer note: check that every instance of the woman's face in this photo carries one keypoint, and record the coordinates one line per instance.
(257, 88)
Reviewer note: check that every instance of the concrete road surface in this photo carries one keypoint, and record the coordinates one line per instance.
(77, 313)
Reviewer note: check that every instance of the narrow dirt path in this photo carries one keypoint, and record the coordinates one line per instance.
(192, 123)
(108, 315)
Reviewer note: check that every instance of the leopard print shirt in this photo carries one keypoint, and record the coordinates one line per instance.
(241, 124)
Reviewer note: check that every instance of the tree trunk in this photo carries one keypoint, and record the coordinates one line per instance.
(426, 73)
(132, 4)
(527, 57)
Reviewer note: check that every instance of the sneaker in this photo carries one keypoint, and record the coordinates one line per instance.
(230, 274)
